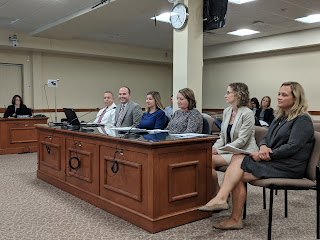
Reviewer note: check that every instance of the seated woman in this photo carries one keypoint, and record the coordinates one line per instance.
(265, 112)
(16, 103)
(284, 153)
(254, 105)
(187, 119)
(155, 117)
(237, 129)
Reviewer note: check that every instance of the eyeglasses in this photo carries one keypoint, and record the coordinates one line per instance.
(228, 92)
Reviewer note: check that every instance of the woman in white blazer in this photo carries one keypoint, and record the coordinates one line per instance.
(237, 129)
(106, 115)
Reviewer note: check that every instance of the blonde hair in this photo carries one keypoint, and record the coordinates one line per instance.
(300, 105)
(269, 104)
(241, 93)
(156, 96)
(189, 95)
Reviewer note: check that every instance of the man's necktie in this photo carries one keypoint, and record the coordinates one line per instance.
(102, 114)
(120, 116)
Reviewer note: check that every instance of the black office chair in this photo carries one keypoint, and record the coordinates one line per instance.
(206, 128)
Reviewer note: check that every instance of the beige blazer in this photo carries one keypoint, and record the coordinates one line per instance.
(242, 131)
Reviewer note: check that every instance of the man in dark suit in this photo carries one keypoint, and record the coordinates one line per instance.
(128, 113)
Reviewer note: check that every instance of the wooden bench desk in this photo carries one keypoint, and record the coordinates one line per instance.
(160, 183)
(19, 135)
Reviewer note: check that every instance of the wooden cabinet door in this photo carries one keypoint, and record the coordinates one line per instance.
(51, 154)
(21, 134)
(82, 163)
(129, 186)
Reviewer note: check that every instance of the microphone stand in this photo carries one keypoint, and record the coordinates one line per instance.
(55, 104)
(135, 125)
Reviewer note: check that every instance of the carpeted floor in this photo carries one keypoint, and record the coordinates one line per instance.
(33, 209)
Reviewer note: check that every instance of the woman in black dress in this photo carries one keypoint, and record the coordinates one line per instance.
(284, 153)
(16, 103)
(265, 112)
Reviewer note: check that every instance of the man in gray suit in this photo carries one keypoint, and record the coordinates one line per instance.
(128, 113)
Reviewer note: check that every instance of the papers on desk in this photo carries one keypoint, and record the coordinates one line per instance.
(157, 131)
(122, 128)
(188, 135)
(229, 148)
(130, 129)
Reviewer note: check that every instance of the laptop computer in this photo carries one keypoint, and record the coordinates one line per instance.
(23, 112)
(71, 115)
(72, 119)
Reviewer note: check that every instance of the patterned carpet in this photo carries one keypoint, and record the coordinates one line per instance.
(33, 209)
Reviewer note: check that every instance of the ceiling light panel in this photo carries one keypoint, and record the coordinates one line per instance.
(240, 1)
(243, 32)
(309, 19)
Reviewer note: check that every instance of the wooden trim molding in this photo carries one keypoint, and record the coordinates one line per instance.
(61, 110)
(314, 112)
(2, 110)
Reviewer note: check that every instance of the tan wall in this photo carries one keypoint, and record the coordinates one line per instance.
(19, 57)
(263, 73)
(83, 79)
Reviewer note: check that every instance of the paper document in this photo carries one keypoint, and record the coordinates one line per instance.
(229, 148)
(188, 135)
(156, 131)
(123, 128)
(263, 123)
(130, 129)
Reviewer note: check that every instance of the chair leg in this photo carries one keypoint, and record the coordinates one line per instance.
(286, 203)
(244, 213)
(264, 198)
(276, 192)
(270, 212)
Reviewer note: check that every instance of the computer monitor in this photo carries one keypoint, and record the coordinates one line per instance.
(23, 112)
(71, 115)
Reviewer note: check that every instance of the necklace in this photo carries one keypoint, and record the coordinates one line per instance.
(283, 119)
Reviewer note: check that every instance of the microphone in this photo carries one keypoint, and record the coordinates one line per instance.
(134, 125)
(77, 118)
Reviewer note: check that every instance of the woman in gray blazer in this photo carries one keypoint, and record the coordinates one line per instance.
(284, 153)
(237, 129)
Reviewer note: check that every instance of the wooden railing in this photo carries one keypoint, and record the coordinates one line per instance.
(218, 110)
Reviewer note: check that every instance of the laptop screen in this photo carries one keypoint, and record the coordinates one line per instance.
(71, 116)
(23, 112)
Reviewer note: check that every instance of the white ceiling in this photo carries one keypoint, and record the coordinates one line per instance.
(128, 21)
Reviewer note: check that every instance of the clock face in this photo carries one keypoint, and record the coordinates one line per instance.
(179, 16)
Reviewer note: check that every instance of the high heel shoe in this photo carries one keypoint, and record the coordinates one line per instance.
(214, 207)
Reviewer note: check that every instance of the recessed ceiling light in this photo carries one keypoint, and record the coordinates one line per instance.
(313, 18)
(164, 17)
(14, 21)
(240, 1)
(243, 32)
